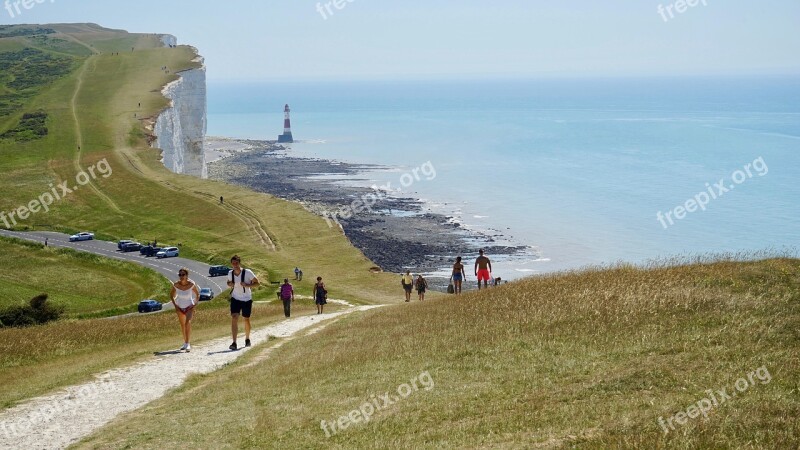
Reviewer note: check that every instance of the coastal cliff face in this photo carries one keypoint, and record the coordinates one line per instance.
(181, 129)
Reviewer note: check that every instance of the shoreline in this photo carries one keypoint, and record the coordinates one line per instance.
(398, 233)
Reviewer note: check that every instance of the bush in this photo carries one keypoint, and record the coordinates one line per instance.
(36, 312)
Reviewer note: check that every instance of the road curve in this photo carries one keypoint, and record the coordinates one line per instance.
(167, 267)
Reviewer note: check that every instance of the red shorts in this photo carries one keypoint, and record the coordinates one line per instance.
(484, 275)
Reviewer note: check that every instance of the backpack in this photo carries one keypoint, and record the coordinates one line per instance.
(286, 291)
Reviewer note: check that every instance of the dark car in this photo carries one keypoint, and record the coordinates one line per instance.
(214, 271)
(121, 243)
(146, 306)
(206, 294)
(131, 247)
(149, 250)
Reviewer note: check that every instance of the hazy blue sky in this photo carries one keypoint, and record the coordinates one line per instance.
(290, 39)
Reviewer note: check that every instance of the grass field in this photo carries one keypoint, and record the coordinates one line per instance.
(587, 360)
(78, 281)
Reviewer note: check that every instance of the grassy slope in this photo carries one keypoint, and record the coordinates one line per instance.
(589, 360)
(142, 199)
(76, 280)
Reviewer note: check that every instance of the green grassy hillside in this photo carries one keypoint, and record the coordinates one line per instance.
(586, 360)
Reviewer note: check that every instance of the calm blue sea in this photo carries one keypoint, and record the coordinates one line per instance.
(576, 169)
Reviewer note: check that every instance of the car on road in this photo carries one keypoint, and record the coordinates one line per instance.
(83, 236)
(149, 250)
(131, 247)
(168, 252)
(121, 243)
(214, 271)
(206, 294)
(146, 306)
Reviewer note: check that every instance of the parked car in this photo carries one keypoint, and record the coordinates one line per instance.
(121, 243)
(168, 252)
(214, 271)
(150, 306)
(83, 236)
(131, 247)
(206, 294)
(149, 250)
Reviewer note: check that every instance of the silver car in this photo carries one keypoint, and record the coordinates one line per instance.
(168, 252)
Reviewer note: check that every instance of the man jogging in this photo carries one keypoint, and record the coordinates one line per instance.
(241, 281)
(483, 269)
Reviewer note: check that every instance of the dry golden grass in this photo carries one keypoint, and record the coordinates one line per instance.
(589, 359)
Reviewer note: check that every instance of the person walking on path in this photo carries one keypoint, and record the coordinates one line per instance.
(408, 283)
(287, 297)
(185, 295)
(459, 275)
(320, 295)
(241, 281)
(297, 273)
(422, 286)
(483, 269)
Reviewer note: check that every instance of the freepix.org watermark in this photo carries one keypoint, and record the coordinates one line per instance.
(367, 201)
(327, 9)
(33, 421)
(56, 193)
(680, 6)
(15, 7)
(377, 403)
(713, 192)
(714, 399)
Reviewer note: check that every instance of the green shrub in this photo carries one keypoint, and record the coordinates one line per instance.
(36, 312)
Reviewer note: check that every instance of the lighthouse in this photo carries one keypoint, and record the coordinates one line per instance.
(286, 137)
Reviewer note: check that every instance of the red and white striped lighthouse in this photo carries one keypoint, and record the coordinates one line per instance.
(286, 137)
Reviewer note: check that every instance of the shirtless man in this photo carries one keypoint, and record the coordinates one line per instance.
(483, 269)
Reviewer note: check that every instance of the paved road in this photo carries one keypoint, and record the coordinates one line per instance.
(168, 266)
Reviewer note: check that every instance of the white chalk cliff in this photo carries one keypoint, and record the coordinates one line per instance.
(181, 128)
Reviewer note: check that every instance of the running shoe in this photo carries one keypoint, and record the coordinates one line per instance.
(233, 346)
(183, 347)
(188, 348)
(247, 342)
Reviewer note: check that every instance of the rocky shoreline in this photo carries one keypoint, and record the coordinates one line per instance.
(397, 233)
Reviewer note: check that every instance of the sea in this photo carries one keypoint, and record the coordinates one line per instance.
(581, 172)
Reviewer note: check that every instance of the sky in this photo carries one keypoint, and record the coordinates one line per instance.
(254, 40)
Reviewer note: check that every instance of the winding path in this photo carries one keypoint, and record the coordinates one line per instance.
(58, 420)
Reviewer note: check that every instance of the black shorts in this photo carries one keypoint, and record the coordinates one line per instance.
(240, 307)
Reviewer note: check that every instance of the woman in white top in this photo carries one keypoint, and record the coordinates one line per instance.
(184, 297)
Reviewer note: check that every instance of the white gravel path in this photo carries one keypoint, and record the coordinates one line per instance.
(55, 421)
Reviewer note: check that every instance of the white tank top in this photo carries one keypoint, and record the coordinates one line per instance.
(184, 299)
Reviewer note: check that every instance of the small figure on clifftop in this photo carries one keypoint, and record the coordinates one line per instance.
(221, 200)
(422, 286)
(483, 269)
(458, 275)
(407, 281)
(320, 295)
(296, 273)
(287, 296)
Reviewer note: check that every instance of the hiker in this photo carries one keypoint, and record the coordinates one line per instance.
(221, 200)
(185, 295)
(300, 276)
(459, 275)
(408, 283)
(483, 269)
(422, 286)
(287, 297)
(45, 242)
(241, 281)
(320, 295)
(296, 273)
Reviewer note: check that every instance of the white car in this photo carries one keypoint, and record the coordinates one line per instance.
(167, 252)
(84, 236)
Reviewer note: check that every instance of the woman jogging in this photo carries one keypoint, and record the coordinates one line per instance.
(184, 295)
(320, 295)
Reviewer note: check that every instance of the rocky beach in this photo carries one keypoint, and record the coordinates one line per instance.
(398, 233)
